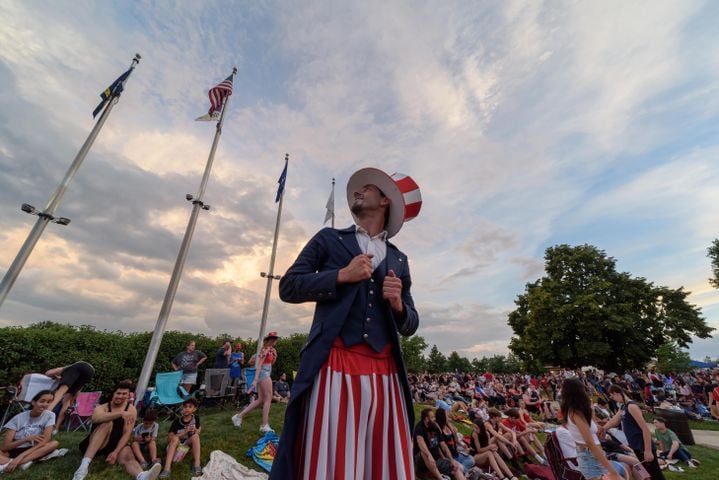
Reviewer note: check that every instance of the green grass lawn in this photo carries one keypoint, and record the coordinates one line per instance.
(219, 434)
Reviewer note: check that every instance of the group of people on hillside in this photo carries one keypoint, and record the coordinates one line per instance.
(608, 436)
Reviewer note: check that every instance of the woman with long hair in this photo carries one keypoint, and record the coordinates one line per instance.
(262, 383)
(28, 434)
(488, 451)
(636, 430)
(577, 407)
(455, 445)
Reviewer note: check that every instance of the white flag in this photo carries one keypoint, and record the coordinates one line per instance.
(330, 207)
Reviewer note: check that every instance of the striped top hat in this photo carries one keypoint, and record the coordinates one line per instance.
(403, 193)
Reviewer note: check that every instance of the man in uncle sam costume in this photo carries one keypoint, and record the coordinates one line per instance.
(350, 415)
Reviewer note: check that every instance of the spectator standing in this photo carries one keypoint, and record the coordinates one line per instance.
(188, 361)
(670, 447)
(577, 408)
(222, 356)
(28, 434)
(636, 430)
(262, 384)
(237, 361)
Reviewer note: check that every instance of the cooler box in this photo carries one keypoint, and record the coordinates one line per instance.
(32, 383)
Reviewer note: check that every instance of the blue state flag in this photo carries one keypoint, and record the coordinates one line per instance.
(281, 181)
(112, 91)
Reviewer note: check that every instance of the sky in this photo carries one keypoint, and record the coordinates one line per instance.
(526, 124)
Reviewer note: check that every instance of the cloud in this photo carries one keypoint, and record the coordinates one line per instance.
(525, 125)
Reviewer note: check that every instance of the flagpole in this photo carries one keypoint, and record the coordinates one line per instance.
(197, 205)
(48, 214)
(270, 273)
(333, 202)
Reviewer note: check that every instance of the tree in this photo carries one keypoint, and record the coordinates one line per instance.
(455, 363)
(713, 254)
(436, 362)
(412, 349)
(671, 358)
(584, 312)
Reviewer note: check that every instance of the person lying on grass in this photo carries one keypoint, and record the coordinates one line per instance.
(28, 435)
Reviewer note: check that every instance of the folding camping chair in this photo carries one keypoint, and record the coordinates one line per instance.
(80, 414)
(561, 467)
(242, 394)
(20, 396)
(168, 393)
(216, 382)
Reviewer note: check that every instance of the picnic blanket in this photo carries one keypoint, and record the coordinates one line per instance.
(264, 451)
(223, 467)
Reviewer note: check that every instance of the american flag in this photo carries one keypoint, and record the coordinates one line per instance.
(218, 93)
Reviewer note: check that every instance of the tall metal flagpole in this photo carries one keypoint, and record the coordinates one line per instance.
(48, 214)
(197, 205)
(270, 273)
(333, 203)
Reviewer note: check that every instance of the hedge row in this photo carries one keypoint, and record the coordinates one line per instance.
(115, 355)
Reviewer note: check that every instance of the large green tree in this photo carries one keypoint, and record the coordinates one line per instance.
(412, 350)
(436, 361)
(671, 358)
(585, 312)
(713, 254)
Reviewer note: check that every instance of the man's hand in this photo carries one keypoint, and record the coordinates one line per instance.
(648, 455)
(392, 291)
(359, 269)
(111, 458)
(128, 417)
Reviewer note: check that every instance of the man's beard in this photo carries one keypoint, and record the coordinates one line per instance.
(356, 208)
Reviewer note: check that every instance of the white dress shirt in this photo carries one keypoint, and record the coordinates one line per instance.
(375, 246)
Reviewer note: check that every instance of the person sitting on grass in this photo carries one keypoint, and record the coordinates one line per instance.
(431, 455)
(184, 435)
(281, 390)
(145, 439)
(670, 447)
(486, 450)
(513, 425)
(28, 435)
(112, 424)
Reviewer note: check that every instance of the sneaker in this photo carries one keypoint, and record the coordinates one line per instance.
(54, 454)
(237, 420)
(151, 474)
(26, 465)
(165, 474)
(196, 471)
(80, 473)
(691, 464)
(266, 428)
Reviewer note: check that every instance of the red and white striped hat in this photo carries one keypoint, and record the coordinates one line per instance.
(403, 193)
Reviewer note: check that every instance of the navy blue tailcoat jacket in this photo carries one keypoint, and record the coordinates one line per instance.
(313, 278)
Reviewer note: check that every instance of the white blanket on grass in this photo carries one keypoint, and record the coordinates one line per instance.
(224, 467)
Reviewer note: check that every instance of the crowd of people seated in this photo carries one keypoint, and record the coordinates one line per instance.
(507, 411)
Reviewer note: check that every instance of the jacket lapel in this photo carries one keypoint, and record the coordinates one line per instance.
(347, 238)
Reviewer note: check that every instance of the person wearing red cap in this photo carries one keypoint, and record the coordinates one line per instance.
(350, 412)
(262, 383)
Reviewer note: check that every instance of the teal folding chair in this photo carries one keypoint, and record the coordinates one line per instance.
(168, 394)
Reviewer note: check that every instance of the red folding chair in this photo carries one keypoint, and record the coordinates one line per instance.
(80, 415)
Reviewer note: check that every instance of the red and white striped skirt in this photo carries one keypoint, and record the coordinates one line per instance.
(355, 420)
